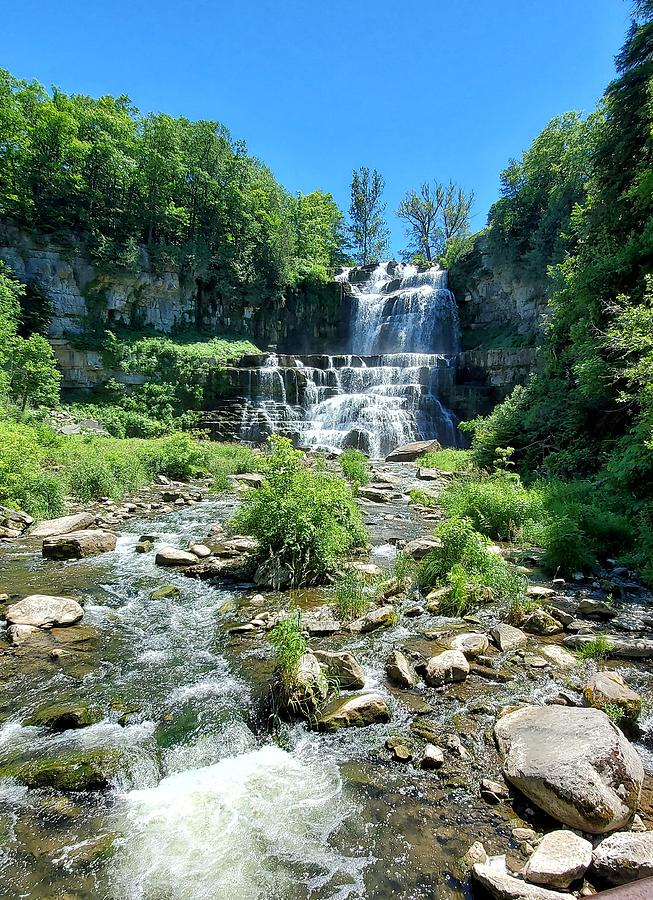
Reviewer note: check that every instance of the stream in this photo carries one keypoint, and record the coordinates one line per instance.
(210, 803)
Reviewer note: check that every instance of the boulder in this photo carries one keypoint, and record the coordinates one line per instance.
(307, 690)
(445, 668)
(321, 621)
(251, 479)
(560, 858)
(432, 758)
(342, 666)
(418, 548)
(74, 770)
(507, 637)
(538, 592)
(377, 494)
(356, 711)
(20, 634)
(165, 592)
(619, 647)
(625, 856)
(172, 556)
(597, 609)
(541, 622)
(44, 611)
(560, 657)
(63, 525)
(380, 617)
(499, 883)
(400, 671)
(366, 570)
(609, 688)
(79, 544)
(472, 644)
(410, 452)
(573, 763)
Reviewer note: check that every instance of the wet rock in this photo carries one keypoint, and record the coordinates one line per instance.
(143, 547)
(560, 858)
(303, 694)
(524, 834)
(63, 525)
(410, 452)
(381, 617)
(619, 647)
(558, 656)
(476, 854)
(82, 770)
(541, 622)
(471, 644)
(565, 618)
(173, 557)
(401, 751)
(321, 622)
(62, 716)
(236, 546)
(446, 668)
(251, 479)
(432, 757)
(538, 592)
(609, 688)
(418, 548)
(342, 666)
(272, 573)
(501, 885)
(201, 551)
(367, 570)
(79, 544)
(507, 637)
(597, 609)
(400, 671)
(494, 791)
(44, 611)
(165, 592)
(21, 634)
(573, 763)
(358, 710)
(377, 494)
(624, 857)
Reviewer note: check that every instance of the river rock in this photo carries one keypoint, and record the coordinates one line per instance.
(410, 452)
(201, 551)
(63, 525)
(560, 858)
(619, 647)
(74, 770)
(573, 763)
(237, 545)
(251, 479)
(366, 570)
(541, 622)
(432, 758)
(560, 657)
(539, 592)
(380, 617)
(44, 611)
(344, 667)
(356, 711)
(62, 716)
(307, 690)
(172, 556)
(499, 883)
(597, 609)
(471, 644)
(507, 637)
(625, 856)
(377, 494)
(20, 634)
(418, 548)
(321, 621)
(609, 688)
(445, 668)
(79, 544)
(400, 671)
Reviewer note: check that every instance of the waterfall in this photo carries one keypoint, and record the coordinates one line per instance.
(386, 391)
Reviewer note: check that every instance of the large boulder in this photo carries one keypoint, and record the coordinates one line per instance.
(573, 763)
(418, 548)
(472, 644)
(44, 611)
(446, 667)
(400, 671)
(609, 689)
(410, 452)
(626, 856)
(499, 883)
(377, 493)
(380, 617)
(507, 637)
(342, 666)
(358, 710)
(78, 544)
(560, 858)
(63, 525)
(173, 557)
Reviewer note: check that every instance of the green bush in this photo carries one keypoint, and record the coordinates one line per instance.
(446, 460)
(463, 551)
(289, 644)
(355, 467)
(353, 596)
(498, 506)
(305, 519)
(599, 649)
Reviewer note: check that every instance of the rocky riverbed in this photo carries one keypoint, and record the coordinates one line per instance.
(139, 761)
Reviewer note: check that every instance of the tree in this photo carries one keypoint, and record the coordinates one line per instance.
(368, 230)
(436, 215)
(10, 293)
(33, 372)
(317, 226)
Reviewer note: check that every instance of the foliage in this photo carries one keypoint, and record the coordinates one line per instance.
(10, 294)
(498, 505)
(33, 374)
(420, 497)
(445, 460)
(404, 570)
(304, 518)
(598, 648)
(437, 219)
(355, 467)
(353, 596)
(465, 563)
(368, 232)
(614, 712)
(289, 644)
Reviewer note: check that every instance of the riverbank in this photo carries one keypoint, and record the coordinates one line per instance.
(206, 799)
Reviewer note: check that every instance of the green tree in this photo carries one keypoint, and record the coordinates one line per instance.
(435, 216)
(34, 377)
(10, 294)
(368, 231)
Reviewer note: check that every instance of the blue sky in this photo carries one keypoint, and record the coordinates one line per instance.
(432, 89)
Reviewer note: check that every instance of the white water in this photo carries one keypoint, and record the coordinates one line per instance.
(404, 335)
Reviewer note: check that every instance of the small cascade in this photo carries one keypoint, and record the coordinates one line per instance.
(387, 391)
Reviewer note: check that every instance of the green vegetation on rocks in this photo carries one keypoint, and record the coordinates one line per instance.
(355, 467)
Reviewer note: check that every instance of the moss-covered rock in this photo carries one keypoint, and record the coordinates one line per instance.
(75, 770)
(62, 716)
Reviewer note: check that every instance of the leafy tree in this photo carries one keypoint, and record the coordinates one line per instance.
(34, 377)
(368, 231)
(317, 226)
(435, 216)
(10, 294)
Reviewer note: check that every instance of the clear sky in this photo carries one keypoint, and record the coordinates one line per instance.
(418, 89)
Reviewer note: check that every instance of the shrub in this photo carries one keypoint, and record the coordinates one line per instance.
(305, 519)
(599, 649)
(464, 550)
(498, 505)
(355, 467)
(420, 497)
(446, 460)
(289, 644)
(353, 596)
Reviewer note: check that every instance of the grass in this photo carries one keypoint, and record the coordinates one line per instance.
(355, 467)
(353, 596)
(446, 460)
(499, 505)
(419, 497)
(289, 644)
(598, 649)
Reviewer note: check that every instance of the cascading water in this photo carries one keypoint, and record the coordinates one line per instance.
(404, 337)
